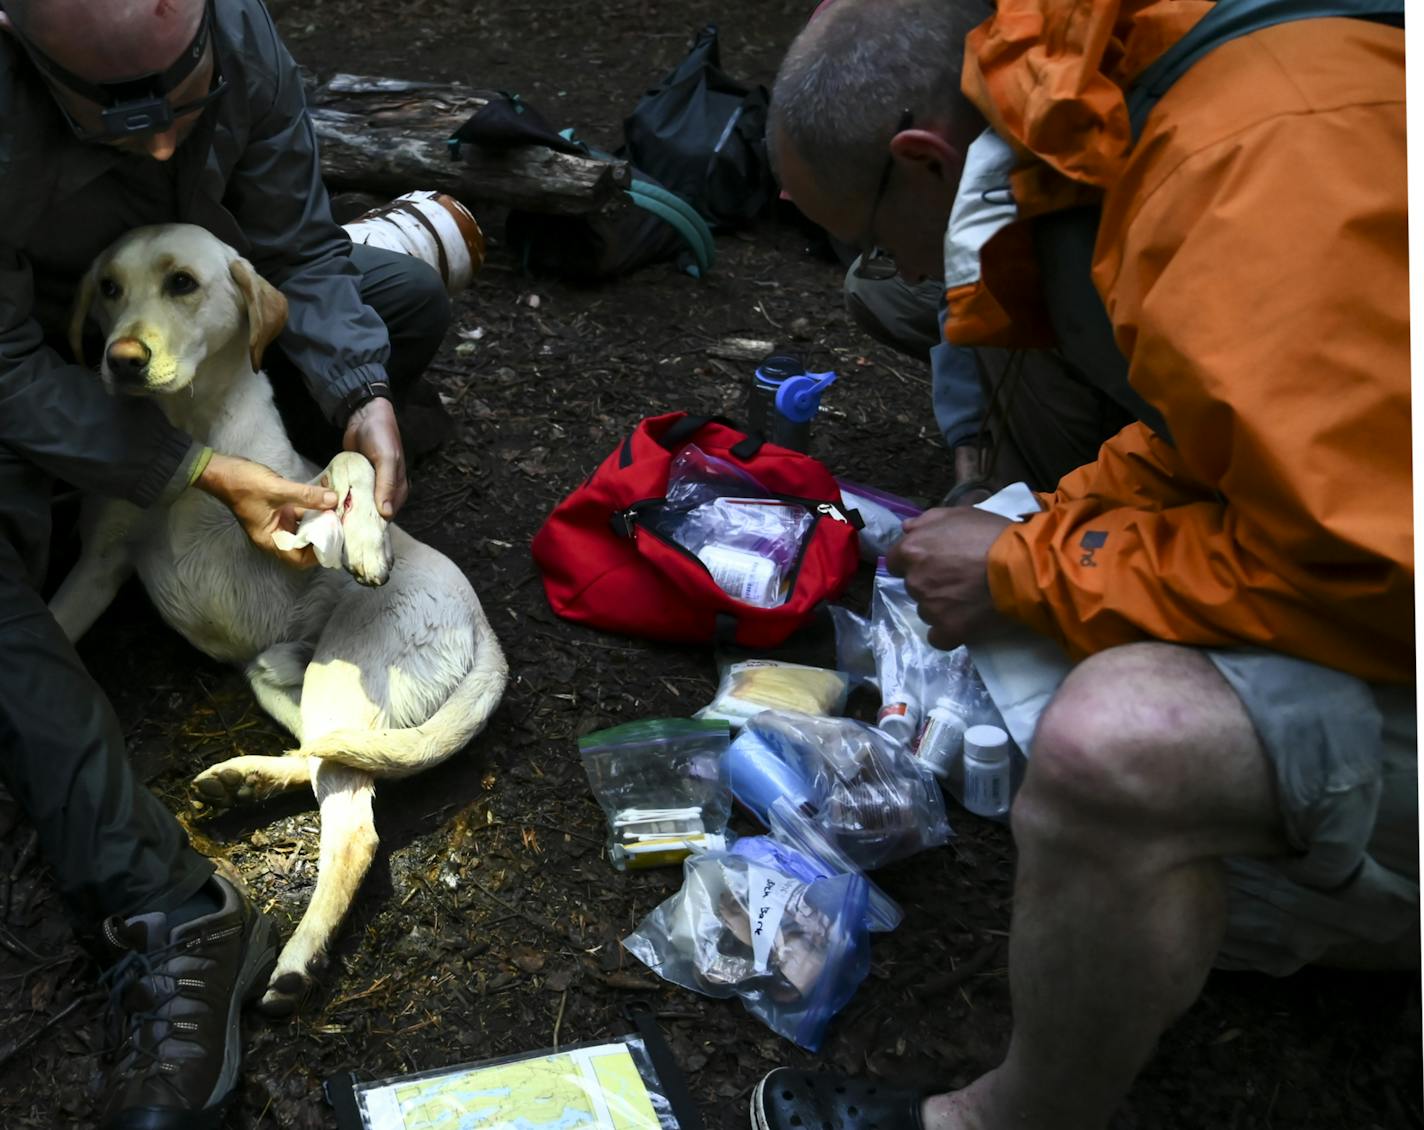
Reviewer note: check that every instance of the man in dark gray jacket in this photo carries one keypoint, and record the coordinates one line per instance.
(115, 115)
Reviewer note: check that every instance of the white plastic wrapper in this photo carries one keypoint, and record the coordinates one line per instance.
(754, 685)
(1021, 669)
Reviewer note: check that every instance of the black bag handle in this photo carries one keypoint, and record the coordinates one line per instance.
(641, 1015)
(682, 431)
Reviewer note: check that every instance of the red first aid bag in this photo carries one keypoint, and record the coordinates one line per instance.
(604, 567)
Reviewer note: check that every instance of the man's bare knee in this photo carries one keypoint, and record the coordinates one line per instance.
(1146, 738)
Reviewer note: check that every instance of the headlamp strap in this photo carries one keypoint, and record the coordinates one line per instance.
(155, 84)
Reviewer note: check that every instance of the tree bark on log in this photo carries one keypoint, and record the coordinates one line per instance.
(388, 136)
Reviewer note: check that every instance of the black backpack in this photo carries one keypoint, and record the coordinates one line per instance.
(697, 147)
(703, 135)
(591, 246)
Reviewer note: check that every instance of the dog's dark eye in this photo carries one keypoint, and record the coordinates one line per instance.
(110, 289)
(181, 282)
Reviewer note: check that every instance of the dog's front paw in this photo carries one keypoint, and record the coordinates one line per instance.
(366, 552)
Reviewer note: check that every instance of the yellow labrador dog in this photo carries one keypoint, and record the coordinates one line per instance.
(380, 678)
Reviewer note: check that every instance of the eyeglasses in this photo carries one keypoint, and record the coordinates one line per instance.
(135, 106)
(876, 264)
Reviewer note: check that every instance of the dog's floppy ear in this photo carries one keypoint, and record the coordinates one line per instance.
(79, 313)
(266, 308)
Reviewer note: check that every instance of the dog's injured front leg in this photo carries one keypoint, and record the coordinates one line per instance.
(348, 844)
(366, 542)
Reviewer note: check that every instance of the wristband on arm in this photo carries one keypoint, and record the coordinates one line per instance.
(200, 465)
(363, 394)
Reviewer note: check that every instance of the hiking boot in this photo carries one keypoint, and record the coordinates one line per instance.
(174, 998)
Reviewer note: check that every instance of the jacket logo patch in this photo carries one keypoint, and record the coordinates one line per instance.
(1093, 540)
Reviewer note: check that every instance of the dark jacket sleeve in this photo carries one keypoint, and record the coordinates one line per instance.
(277, 196)
(60, 417)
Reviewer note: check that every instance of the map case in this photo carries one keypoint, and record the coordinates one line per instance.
(607, 1086)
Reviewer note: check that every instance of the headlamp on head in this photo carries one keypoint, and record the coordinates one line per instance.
(134, 106)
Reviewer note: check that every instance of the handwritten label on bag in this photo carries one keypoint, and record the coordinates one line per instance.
(767, 895)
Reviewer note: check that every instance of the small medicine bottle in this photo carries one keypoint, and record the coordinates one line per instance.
(987, 766)
(900, 717)
(942, 738)
(749, 577)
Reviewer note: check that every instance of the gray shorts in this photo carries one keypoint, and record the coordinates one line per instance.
(1346, 767)
(1345, 754)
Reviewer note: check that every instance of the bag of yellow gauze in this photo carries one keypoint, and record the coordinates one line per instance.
(754, 685)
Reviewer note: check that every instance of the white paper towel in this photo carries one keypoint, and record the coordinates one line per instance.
(320, 529)
(1021, 668)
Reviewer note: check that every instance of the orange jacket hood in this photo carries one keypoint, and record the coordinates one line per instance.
(1049, 76)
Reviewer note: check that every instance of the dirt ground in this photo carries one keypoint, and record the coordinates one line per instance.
(491, 921)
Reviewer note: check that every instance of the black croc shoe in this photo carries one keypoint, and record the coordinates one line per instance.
(800, 1100)
(175, 996)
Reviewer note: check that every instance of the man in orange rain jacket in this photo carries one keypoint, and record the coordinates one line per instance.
(1228, 774)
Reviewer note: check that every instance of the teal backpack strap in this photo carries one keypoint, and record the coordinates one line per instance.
(669, 207)
(680, 214)
(1230, 19)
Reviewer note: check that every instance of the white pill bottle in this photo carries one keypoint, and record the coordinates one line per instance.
(988, 771)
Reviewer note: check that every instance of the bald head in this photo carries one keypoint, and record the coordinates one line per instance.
(108, 40)
(855, 69)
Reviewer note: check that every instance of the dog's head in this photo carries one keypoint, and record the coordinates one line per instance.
(167, 298)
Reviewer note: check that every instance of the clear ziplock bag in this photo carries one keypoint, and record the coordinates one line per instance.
(907, 665)
(760, 923)
(940, 692)
(748, 539)
(792, 827)
(863, 791)
(696, 478)
(663, 787)
(884, 515)
(855, 655)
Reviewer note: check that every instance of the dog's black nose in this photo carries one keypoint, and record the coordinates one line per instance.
(127, 359)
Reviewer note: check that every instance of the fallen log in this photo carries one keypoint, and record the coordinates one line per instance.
(387, 136)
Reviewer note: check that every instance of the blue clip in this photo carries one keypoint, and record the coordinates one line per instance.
(799, 397)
